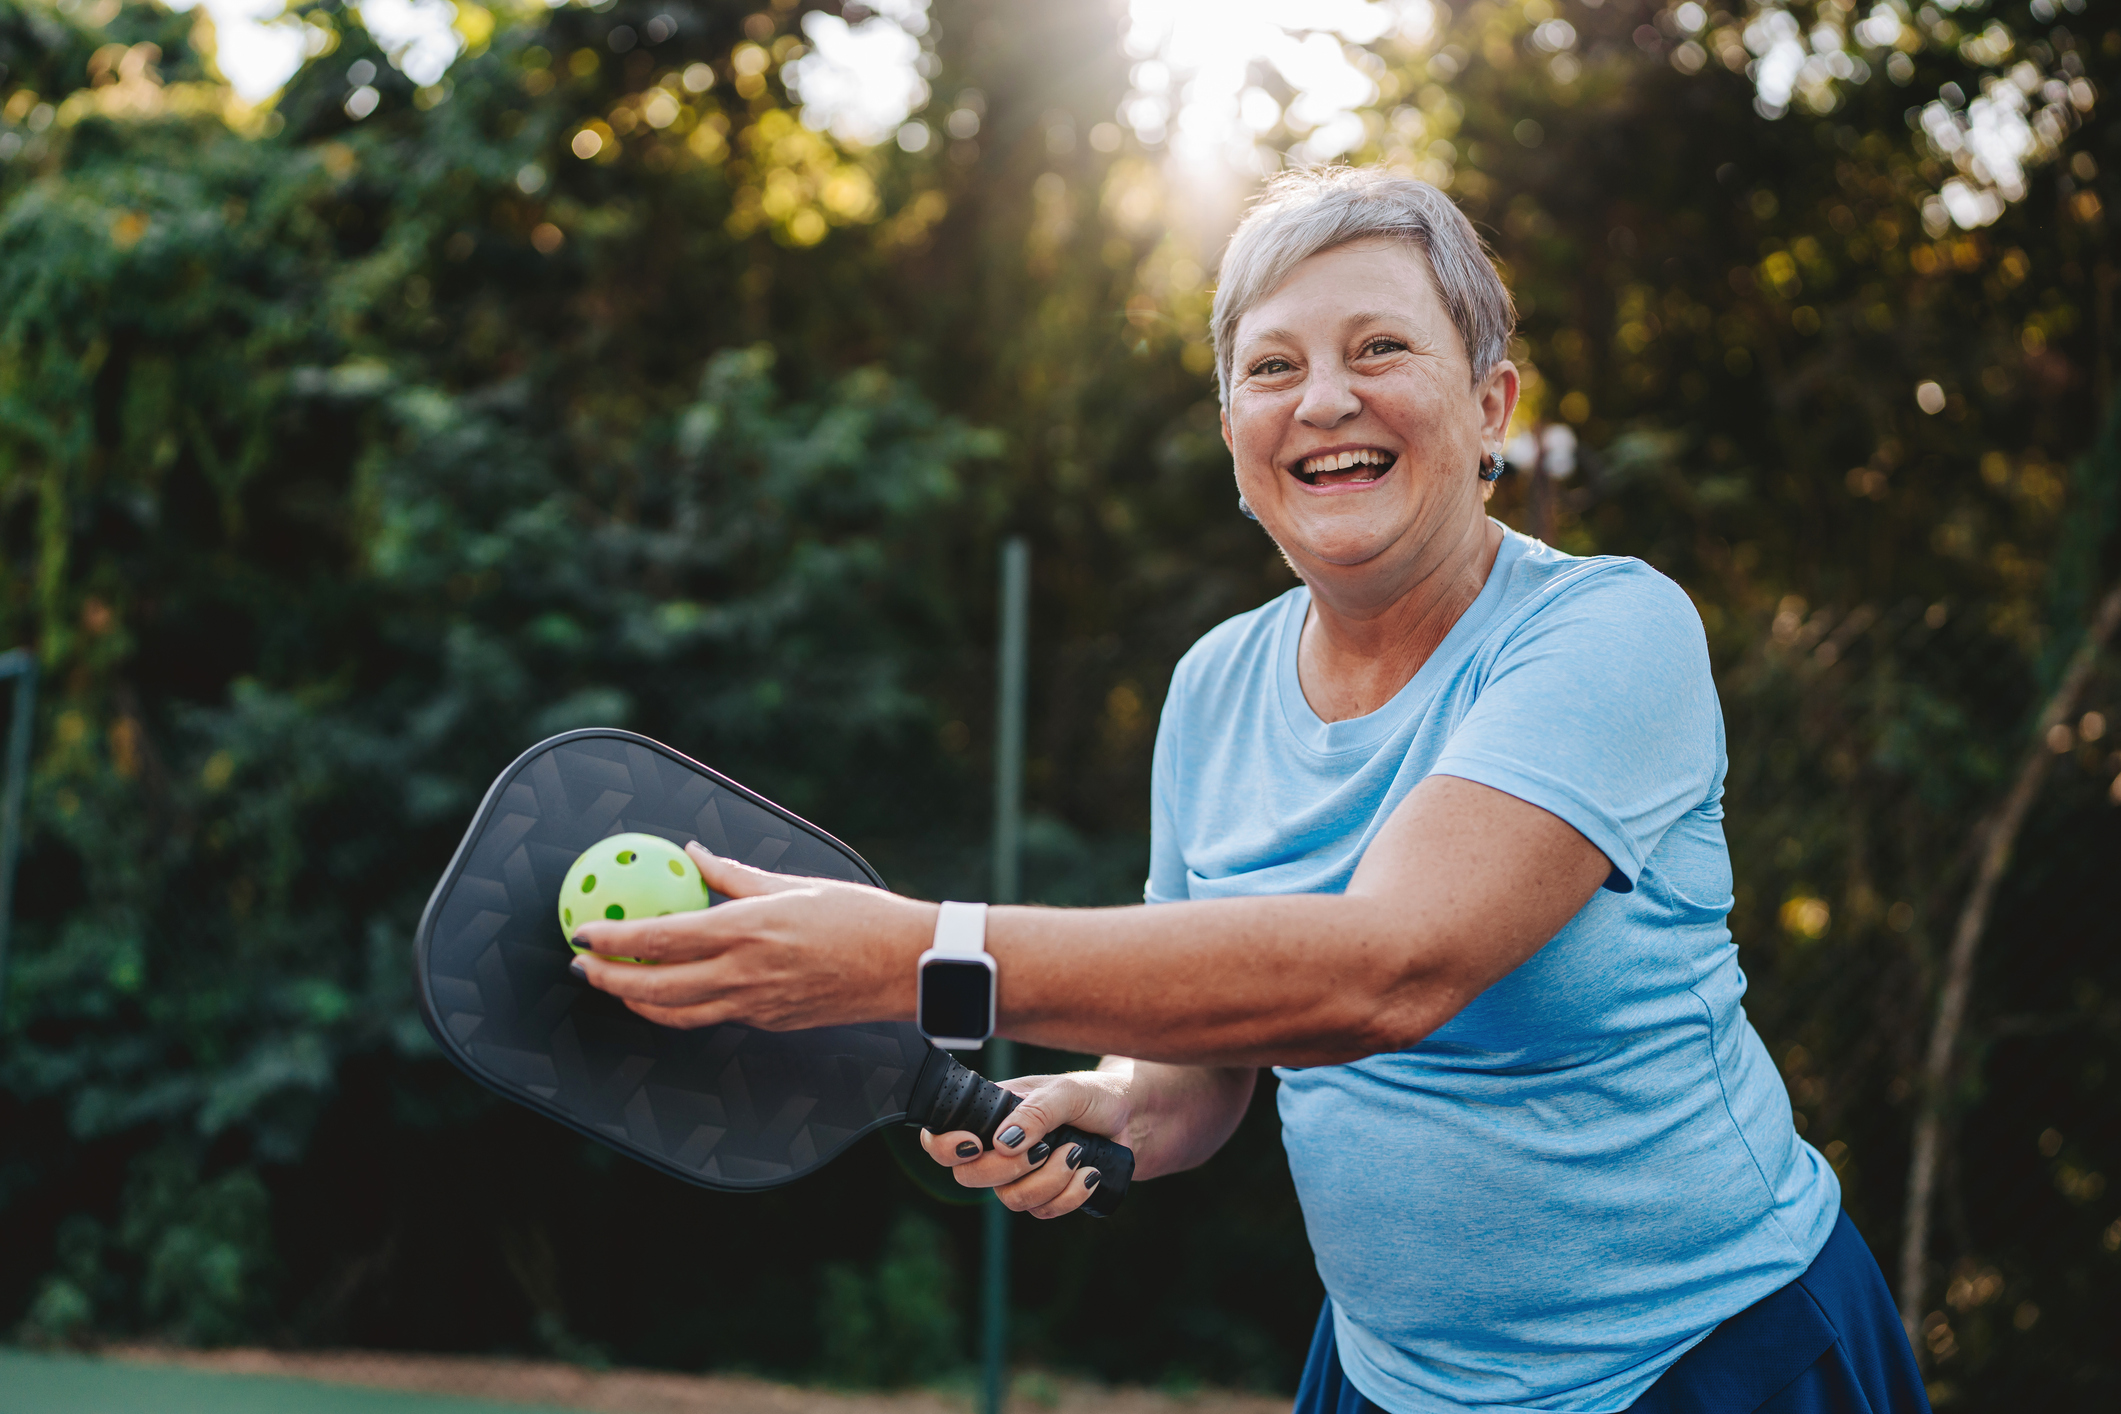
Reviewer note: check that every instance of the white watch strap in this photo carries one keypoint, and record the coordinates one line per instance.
(961, 930)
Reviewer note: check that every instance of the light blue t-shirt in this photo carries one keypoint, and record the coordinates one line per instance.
(1556, 1194)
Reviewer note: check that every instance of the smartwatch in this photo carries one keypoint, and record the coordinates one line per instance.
(957, 980)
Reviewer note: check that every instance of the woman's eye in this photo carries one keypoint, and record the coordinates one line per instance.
(1377, 347)
(1267, 368)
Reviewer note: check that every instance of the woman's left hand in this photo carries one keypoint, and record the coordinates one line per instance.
(757, 958)
(1028, 1173)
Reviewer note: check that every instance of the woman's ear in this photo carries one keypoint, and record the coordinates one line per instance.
(1498, 400)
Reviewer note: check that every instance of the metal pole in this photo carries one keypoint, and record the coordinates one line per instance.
(20, 665)
(1008, 852)
(1009, 718)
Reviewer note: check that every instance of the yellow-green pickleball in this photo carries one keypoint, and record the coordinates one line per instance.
(629, 876)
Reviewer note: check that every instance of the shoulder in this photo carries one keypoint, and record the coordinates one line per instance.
(1235, 648)
(1613, 594)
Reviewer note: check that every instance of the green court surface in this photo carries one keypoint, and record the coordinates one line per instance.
(73, 1384)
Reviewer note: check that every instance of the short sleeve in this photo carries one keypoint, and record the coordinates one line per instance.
(1167, 862)
(1600, 708)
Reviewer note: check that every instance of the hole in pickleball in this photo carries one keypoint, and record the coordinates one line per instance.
(567, 916)
(627, 856)
(589, 883)
(614, 911)
(677, 868)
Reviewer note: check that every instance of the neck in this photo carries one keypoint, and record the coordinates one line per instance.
(1368, 633)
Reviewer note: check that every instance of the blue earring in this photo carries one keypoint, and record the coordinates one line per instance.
(1494, 469)
(1244, 508)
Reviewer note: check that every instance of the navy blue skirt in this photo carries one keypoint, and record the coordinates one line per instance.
(1828, 1343)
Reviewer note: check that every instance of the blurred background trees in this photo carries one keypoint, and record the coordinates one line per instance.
(607, 372)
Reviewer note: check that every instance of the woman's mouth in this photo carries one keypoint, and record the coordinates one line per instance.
(1358, 466)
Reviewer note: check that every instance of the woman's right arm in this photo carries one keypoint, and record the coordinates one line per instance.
(1174, 1117)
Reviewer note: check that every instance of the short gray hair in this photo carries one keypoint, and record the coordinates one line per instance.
(1312, 209)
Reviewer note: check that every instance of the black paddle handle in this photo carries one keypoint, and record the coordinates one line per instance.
(948, 1097)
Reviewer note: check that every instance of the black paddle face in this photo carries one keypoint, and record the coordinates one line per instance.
(727, 1106)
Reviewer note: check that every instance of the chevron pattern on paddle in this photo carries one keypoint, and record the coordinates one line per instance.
(727, 1106)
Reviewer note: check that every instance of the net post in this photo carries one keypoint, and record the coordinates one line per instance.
(1007, 886)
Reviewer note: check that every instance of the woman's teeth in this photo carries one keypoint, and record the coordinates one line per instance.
(1345, 468)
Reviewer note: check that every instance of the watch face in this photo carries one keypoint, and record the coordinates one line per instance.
(957, 998)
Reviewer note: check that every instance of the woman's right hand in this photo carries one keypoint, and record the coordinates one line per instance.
(1026, 1172)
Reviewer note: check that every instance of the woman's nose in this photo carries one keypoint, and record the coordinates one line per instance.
(1328, 401)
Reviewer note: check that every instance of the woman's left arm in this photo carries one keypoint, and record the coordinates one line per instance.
(1462, 884)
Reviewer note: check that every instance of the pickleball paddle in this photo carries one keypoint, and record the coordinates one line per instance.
(726, 1107)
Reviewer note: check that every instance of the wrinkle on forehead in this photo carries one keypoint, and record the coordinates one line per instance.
(1427, 313)
(1368, 316)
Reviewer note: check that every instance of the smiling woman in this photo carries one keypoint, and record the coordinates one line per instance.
(1352, 424)
(1438, 833)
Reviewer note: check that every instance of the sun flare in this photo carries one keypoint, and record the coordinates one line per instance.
(1207, 72)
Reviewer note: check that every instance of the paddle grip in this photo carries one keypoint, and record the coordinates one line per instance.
(949, 1097)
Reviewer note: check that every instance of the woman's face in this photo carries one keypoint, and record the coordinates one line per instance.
(1356, 427)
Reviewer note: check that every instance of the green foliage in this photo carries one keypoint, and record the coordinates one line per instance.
(202, 1247)
(896, 1322)
(64, 1312)
(196, 1255)
(341, 458)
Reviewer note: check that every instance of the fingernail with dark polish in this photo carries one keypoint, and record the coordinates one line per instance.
(1010, 1137)
(580, 969)
(1037, 1153)
(968, 1150)
(1090, 1178)
(1075, 1156)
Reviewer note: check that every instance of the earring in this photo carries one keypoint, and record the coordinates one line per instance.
(1244, 508)
(1494, 469)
